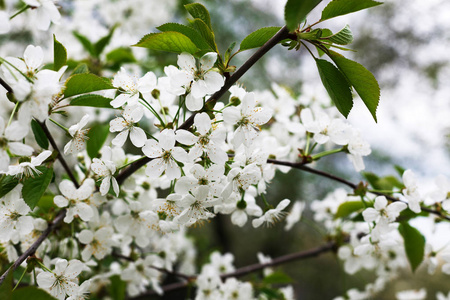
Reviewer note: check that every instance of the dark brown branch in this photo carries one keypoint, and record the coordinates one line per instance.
(6, 86)
(331, 246)
(302, 167)
(30, 251)
(59, 157)
(282, 34)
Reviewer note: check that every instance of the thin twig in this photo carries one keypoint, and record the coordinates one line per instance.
(302, 167)
(282, 34)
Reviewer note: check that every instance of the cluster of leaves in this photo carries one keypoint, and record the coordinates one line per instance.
(338, 79)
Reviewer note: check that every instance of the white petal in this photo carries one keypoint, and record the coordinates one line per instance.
(203, 123)
(104, 186)
(207, 61)
(138, 136)
(84, 211)
(152, 149)
(185, 137)
(60, 201)
(120, 139)
(194, 103)
(187, 62)
(86, 236)
(45, 279)
(167, 139)
(155, 168)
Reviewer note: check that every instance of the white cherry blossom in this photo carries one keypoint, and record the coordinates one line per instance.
(164, 156)
(10, 139)
(383, 210)
(411, 191)
(63, 280)
(199, 82)
(272, 215)
(79, 137)
(28, 169)
(13, 216)
(98, 243)
(126, 125)
(130, 87)
(105, 168)
(248, 118)
(209, 140)
(76, 199)
(46, 13)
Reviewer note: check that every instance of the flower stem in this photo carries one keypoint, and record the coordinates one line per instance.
(20, 279)
(20, 11)
(59, 125)
(325, 153)
(13, 113)
(2, 60)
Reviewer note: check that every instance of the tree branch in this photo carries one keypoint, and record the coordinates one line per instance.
(6, 86)
(301, 166)
(282, 34)
(59, 157)
(331, 246)
(30, 251)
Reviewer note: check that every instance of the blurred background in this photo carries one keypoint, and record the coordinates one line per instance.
(404, 43)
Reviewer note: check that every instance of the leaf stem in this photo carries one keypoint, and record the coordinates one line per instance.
(59, 125)
(325, 153)
(20, 11)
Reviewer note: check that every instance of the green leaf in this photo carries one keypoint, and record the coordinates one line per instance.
(228, 53)
(198, 11)
(206, 33)
(383, 183)
(120, 56)
(414, 243)
(92, 101)
(336, 85)
(343, 37)
(81, 69)
(169, 41)
(100, 45)
(117, 288)
(31, 292)
(85, 83)
(277, 277)
(87, 45)
(39, 134)
(347, 208)
(342, 7)
(96, 138)
(59, 55)
(400, 170)
(46, 203)
(7, 183)
(35, 187)
(6, 287)
(295, 11)
(258, 38)
(361, 79)
(191, 33)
